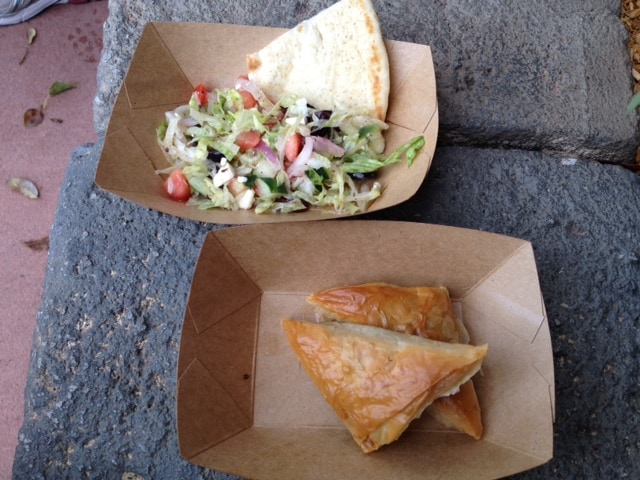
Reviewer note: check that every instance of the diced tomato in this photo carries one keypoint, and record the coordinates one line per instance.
(201, 94)
(247, 99)
(248, 140)
(292, 147)
(177, 186)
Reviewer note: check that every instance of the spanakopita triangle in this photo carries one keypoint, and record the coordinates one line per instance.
(378, 380)
(424, 311)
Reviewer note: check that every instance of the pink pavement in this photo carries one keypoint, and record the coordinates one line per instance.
(67, 48)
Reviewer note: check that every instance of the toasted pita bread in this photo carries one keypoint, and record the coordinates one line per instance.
(424, 311)
(378, 380)
(336, 60)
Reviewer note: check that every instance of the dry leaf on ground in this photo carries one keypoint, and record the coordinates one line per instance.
(24, 186)
(31, 35)
(630, 16)
(33, 117)
(59, 87)
(38, 245)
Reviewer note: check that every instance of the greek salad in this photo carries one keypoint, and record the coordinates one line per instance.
(234, 148)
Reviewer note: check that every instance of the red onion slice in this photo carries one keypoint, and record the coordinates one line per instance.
(325, 147)
(269, 154)
(299, 165)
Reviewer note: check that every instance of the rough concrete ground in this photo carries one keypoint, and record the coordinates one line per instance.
(101, 392)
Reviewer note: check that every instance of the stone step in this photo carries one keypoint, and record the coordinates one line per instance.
(102, 379)
(543, 76)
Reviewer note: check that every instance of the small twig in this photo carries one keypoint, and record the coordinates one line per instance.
(24, 57)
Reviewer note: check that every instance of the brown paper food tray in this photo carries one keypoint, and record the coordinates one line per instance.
(171, 58)
(245, 406)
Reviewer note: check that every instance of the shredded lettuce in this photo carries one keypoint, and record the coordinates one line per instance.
(409, 150)
(204, 142)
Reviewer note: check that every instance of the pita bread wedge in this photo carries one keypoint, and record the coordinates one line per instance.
(424, 311)
(378, 380)
(337, 60)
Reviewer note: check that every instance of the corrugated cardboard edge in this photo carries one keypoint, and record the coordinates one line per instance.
(123, 168)
(518, 276)
(220, 323)
(244, 451)
(506, 292)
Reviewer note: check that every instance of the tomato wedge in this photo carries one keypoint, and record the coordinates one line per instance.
(177, 186)
(292, 147)
(248, 100)
(201, 94)
(248, 140)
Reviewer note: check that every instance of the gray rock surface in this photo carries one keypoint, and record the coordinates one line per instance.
(101, 391)
(101, 388)
(547, 76)
(100, 397)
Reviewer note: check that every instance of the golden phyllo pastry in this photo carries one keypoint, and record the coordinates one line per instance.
(378, 380)
(424, 311)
